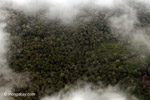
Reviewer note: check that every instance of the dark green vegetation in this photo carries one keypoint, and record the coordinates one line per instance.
(57, 55)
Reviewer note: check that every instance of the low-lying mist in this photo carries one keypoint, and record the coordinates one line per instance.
(124, 23)
(89, 92)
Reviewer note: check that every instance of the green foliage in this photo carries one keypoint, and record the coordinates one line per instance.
(57, 55)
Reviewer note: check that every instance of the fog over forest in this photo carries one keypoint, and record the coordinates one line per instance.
(49, 47)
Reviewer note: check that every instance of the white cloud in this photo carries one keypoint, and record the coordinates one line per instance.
(67, 10)
(88, 93)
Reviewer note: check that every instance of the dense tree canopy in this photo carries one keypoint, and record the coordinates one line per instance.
(57, 55)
